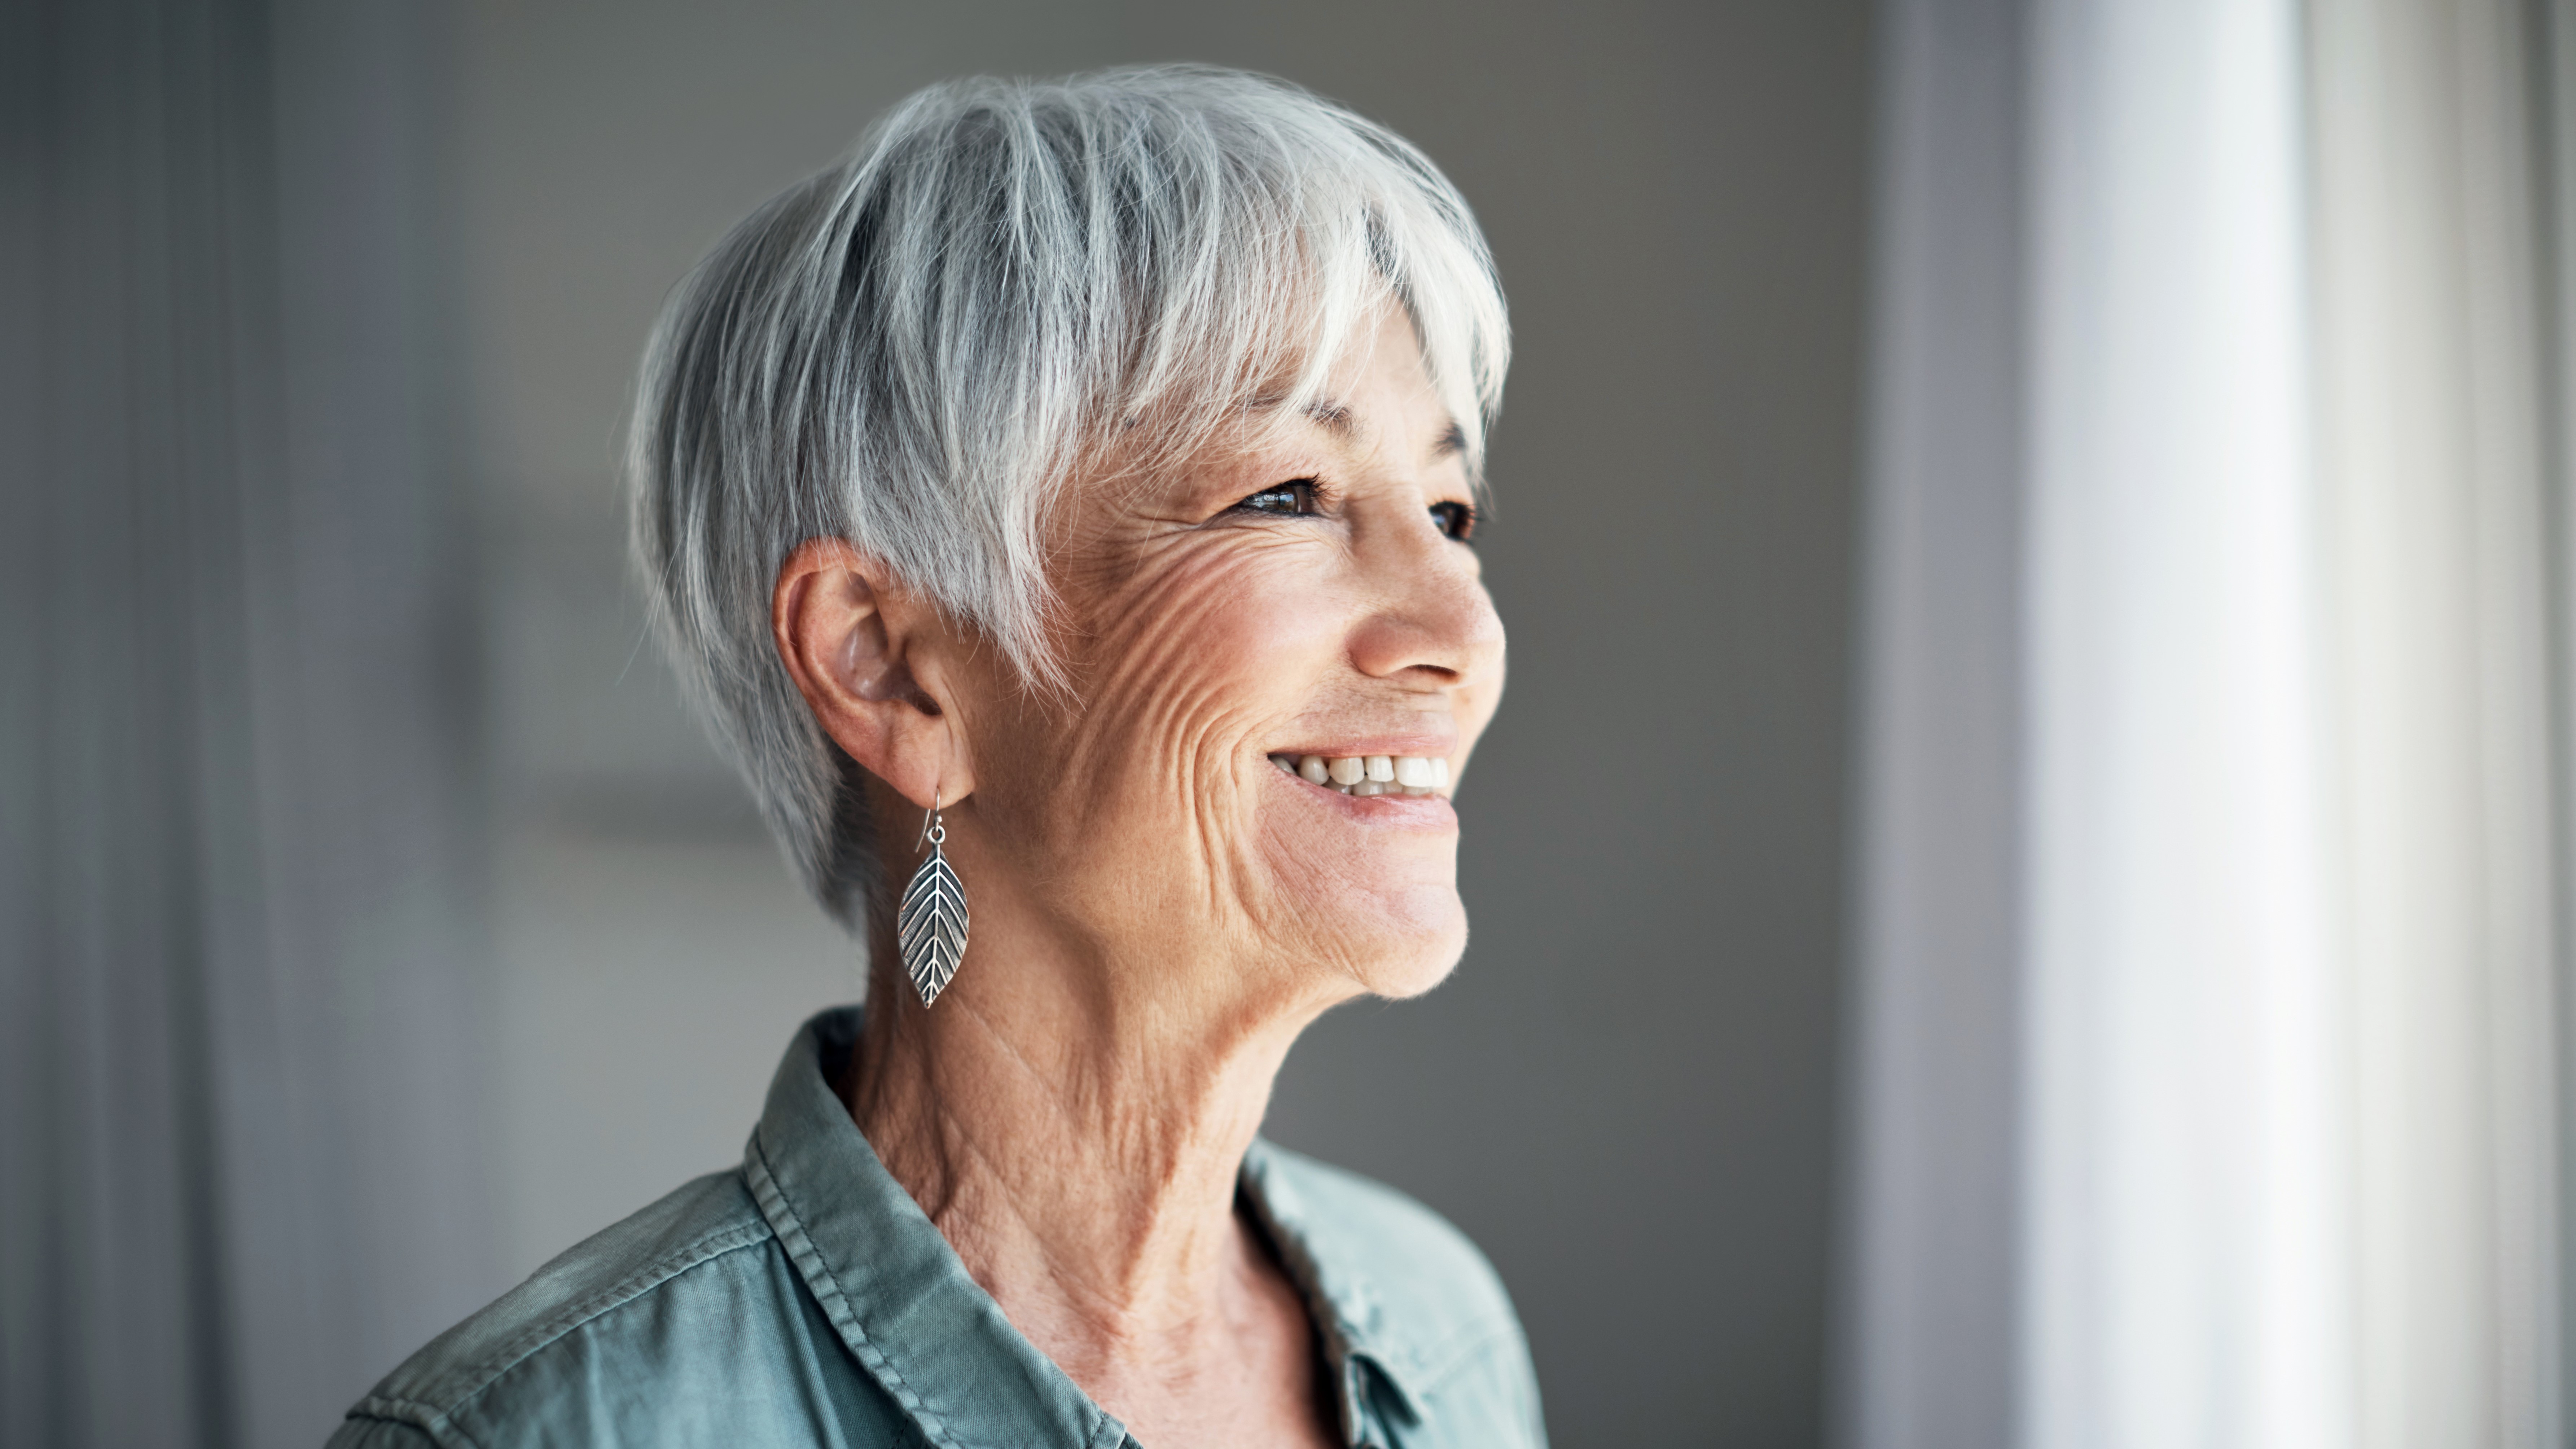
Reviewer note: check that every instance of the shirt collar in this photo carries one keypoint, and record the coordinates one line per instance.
(897, 1294)
(1375, 1358)
(888, 1282)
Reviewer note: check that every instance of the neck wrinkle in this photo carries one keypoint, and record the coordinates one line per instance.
(1087, 1179)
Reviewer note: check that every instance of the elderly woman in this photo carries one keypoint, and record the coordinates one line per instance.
(1064, 512)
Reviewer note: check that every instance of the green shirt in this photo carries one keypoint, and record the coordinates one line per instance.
(806, 1300)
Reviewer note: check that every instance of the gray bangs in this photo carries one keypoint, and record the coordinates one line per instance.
(1007, 286)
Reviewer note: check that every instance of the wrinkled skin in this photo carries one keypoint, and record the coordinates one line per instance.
(1157, 909)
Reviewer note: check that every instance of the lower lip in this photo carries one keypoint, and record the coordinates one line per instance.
(1417, 812)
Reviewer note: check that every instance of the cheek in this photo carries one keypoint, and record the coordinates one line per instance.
(1187, 671)
(1153, 801)
(1199, 660)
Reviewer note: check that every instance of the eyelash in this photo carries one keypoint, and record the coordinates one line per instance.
(1455, 520)
(1303, 494)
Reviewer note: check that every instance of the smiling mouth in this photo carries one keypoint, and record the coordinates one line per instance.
(1366, 775)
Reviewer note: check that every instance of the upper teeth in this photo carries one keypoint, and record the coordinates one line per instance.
(1371, 774)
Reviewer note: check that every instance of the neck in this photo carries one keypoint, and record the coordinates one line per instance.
(1079, 1145)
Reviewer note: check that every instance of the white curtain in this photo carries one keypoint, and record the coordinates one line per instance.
(2279, 927)
(2431, 530)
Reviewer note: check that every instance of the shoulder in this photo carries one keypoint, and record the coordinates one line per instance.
(587, 1328)
(1400, 1272)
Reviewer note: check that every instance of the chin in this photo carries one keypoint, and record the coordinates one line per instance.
(1402, 981)
(1405, 963)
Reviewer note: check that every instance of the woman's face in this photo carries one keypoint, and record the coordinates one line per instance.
(1314, 595)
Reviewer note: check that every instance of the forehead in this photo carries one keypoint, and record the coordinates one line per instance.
(1375, 408)
(1377, 398)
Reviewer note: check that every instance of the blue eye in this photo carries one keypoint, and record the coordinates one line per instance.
(1454, 520)
(1286, 500)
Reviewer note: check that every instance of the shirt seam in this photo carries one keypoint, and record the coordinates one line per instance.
(440, 1429)
(1464, 1348)
(565, 1321)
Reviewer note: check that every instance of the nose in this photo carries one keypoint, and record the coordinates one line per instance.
(1432, 621)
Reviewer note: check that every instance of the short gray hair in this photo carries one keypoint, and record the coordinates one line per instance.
(1007, 282)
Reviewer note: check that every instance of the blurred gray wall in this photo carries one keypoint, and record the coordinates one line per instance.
(243, 1158)
(1628, 1093)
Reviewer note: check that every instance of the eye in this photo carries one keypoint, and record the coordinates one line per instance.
(1285, 500)
(1454, 520)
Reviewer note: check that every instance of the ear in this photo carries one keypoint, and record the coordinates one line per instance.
(864, 651)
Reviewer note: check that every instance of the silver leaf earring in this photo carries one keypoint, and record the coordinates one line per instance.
(930, 927)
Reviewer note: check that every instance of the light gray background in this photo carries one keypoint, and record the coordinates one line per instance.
(1627, 1094)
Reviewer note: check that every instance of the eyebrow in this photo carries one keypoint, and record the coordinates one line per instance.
(1335, 418)
(1331, 415)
